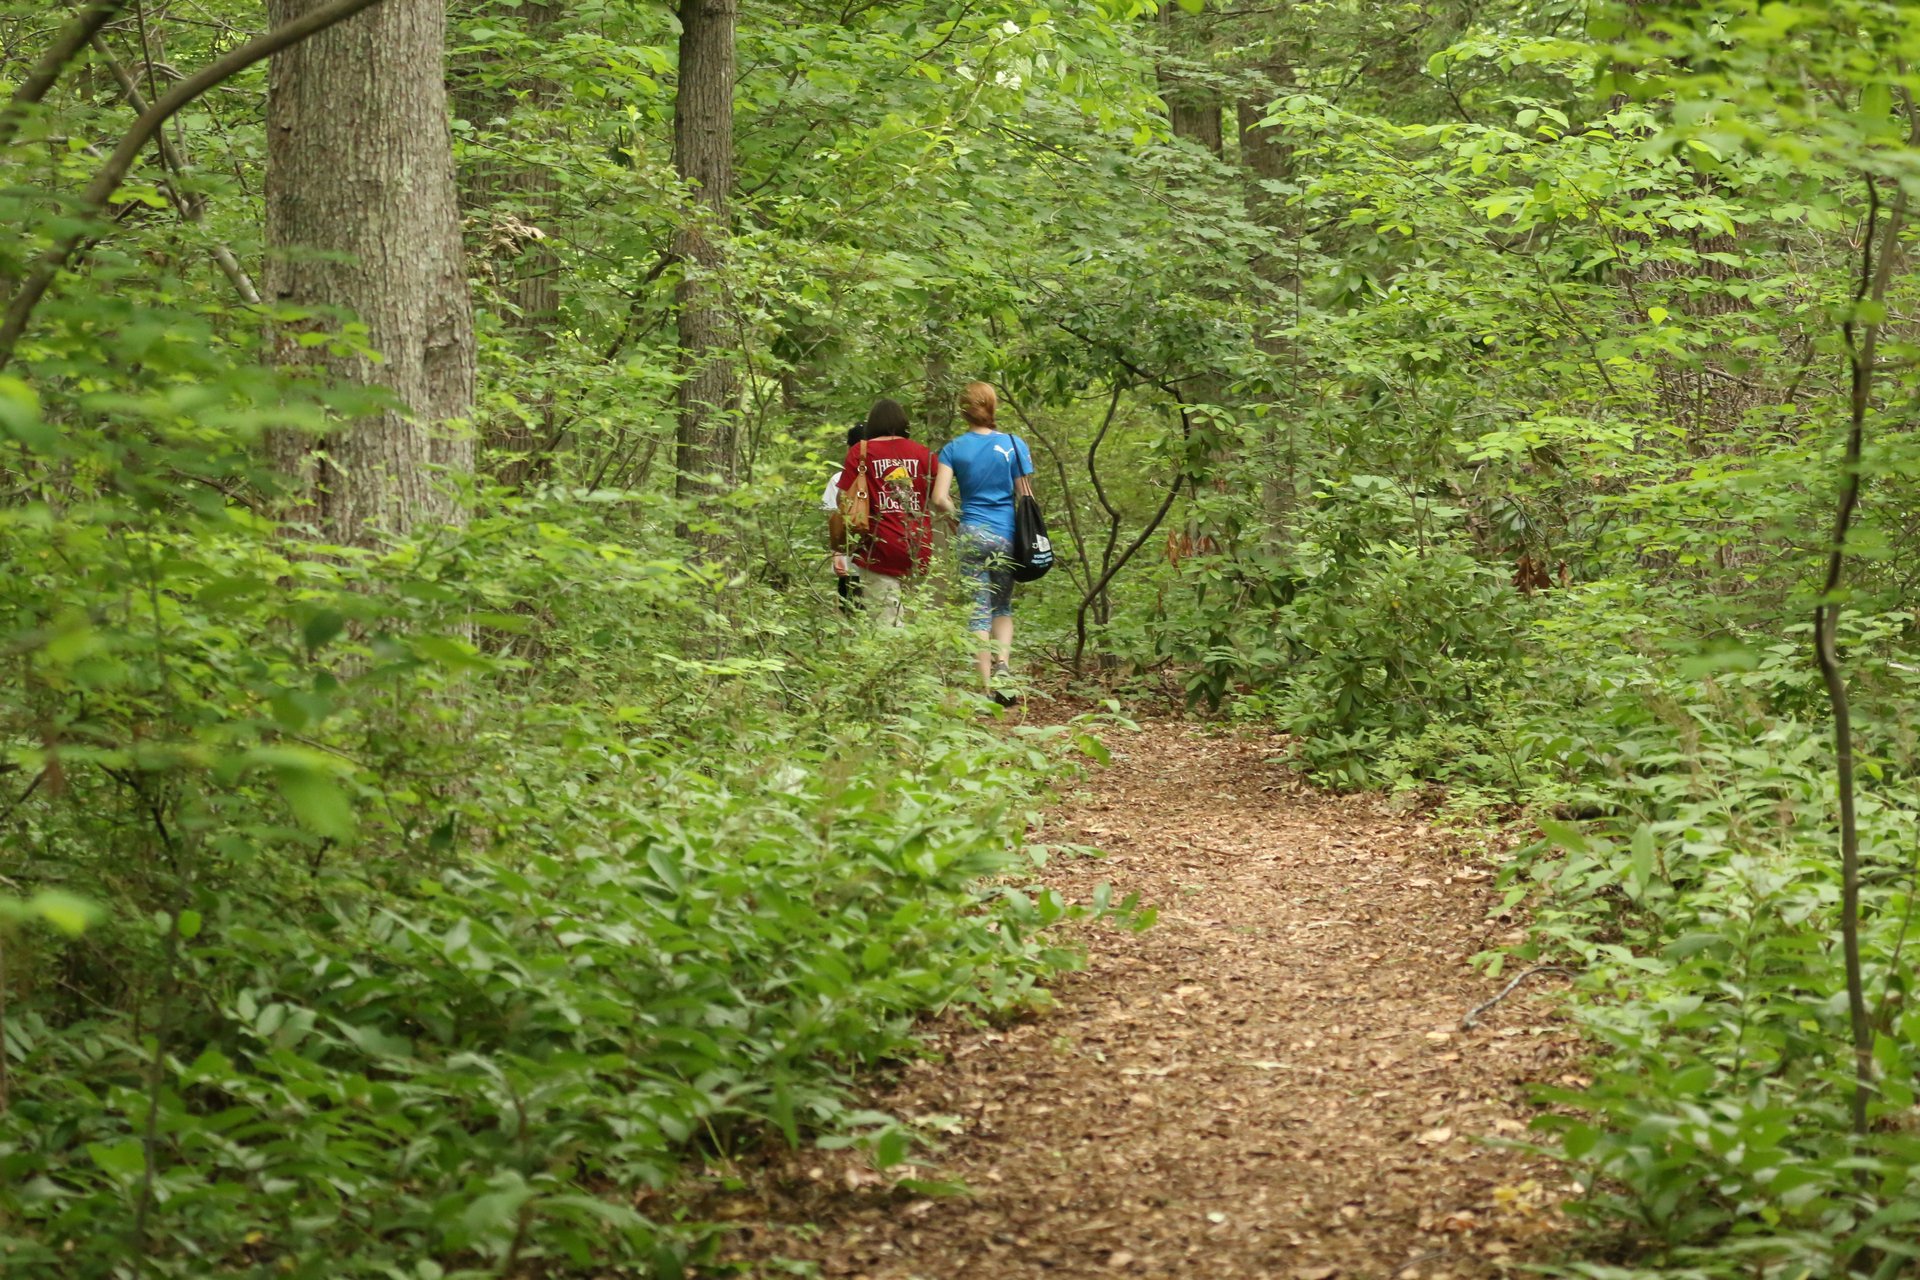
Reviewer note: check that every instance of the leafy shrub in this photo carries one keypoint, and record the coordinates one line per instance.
(457, 889)
(1699, 901)
(1391, 630)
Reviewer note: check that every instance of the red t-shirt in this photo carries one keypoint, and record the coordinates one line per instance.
(899, 491)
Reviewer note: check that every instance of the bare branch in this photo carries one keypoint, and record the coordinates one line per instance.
(1473, 1015)
(191, 207)
(1862, 340)
(73, 38)
(94, 200)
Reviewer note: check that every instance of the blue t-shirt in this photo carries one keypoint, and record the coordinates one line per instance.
(984, 465)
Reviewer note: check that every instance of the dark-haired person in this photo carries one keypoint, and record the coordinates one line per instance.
(990, 467)
(899, 540)
(844, 583)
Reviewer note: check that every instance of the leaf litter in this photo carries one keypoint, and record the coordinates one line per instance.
(1271, 1082)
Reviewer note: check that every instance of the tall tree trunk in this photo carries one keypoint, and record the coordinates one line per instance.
(937, 384)
(1193, 114)
(703, 157)
(1193, 110)
(515, 203)
(362, 218)
(1264, 159)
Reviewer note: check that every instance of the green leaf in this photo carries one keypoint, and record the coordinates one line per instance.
(498, 1212)
(323, 626)
(20, 417)
(1876, 104)
(317, 801)
(892, 1148)
(1564, 835)
(126, 1158)
(67, 912)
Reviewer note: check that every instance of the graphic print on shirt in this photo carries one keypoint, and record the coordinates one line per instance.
(897, 491)
(899, 475)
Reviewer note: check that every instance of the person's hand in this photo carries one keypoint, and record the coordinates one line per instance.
(841, 569)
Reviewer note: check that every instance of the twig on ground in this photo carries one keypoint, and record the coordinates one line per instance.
(1473, 1015)
(1431, 1255)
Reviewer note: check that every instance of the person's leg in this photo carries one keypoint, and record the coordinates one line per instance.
(849, 589)
(1003, 608)
(975, 562)
(882, 592)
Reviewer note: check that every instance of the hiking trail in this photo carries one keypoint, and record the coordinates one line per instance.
(1270, 1082)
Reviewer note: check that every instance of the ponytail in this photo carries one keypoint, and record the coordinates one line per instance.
(978, 404)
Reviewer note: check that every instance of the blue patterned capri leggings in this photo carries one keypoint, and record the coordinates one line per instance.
(987, 558)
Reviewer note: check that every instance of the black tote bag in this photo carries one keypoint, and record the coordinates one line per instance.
(1032, 549)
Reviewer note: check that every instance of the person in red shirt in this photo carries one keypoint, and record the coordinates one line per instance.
(899, 541)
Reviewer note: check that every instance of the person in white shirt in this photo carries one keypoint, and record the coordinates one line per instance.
(846, 582)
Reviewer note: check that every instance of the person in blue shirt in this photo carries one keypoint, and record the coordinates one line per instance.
(990, 467)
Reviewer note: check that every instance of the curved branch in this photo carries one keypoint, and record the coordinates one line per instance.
(1173, 491)
(72, 39)
(93, 200)
(190, 207)
(1100, 491)
(1081, 572)
(1861, 347)
(1093, 469)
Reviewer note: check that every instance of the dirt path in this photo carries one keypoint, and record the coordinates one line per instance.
(1269, 1083)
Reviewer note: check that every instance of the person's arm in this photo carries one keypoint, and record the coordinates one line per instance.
(943, 490)
(1023, 483)
(837, 523)
(837, 542)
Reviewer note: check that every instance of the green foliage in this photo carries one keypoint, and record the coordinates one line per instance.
(433, 916)
(441, 893)
(1701, 907)
(1526, 500)
(453, 892)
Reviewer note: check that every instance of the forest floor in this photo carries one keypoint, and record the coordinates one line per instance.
(1270, 1082)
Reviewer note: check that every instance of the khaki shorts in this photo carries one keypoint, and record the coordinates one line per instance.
(881, 594)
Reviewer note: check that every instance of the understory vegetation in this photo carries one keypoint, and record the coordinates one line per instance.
(442, 800)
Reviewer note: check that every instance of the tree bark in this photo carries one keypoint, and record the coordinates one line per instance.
(1193, 110)
(703, 157)
(1264, 159)
(362, 218)
(1862, 342)
(1194, 114)
(515, 202)
(937, 382)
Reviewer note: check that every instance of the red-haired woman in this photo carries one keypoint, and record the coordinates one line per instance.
(990, 467)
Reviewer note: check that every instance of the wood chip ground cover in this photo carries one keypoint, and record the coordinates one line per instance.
(1271, 1082)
